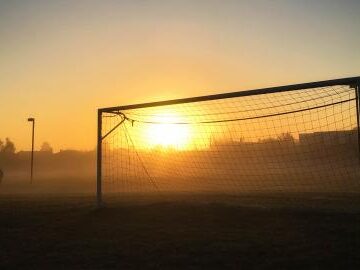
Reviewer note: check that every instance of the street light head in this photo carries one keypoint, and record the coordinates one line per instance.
(31, 119)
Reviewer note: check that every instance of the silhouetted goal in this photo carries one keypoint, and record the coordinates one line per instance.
(296, 138)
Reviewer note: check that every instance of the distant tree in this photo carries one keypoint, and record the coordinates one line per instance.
(1, 145)
(46, 147)
(286, 137)
(8, 147)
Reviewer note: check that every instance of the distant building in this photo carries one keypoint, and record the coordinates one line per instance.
(328, 138)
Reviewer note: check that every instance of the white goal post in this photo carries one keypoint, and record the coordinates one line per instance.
(294, 138)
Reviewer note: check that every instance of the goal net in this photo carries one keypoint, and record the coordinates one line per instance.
(300, 138)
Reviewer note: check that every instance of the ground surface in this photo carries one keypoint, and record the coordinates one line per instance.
(207, 233)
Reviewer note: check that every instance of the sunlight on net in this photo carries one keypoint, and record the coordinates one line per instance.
(167, 133)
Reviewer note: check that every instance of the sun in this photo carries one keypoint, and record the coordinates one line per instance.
(166, 132)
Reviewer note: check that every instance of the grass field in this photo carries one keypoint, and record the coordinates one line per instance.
(179, 232)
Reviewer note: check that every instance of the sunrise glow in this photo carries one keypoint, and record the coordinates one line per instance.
(168, 134)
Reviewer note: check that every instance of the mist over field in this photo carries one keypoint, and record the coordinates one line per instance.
(280, 164)
(64, 172)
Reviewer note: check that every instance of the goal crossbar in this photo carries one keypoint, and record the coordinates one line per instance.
(350, 81)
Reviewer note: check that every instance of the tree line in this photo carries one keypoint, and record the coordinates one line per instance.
(8, 147)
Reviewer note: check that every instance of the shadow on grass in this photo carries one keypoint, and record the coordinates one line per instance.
(174, 234)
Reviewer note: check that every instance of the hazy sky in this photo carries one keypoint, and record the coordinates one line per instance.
(61, 60)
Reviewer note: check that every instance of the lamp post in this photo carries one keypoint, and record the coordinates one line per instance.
(31, 119)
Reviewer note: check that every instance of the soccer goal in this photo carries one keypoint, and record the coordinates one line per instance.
(294, 138)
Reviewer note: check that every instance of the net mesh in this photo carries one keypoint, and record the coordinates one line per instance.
(296, 141)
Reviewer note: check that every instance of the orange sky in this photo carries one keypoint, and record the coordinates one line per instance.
(61, 60)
